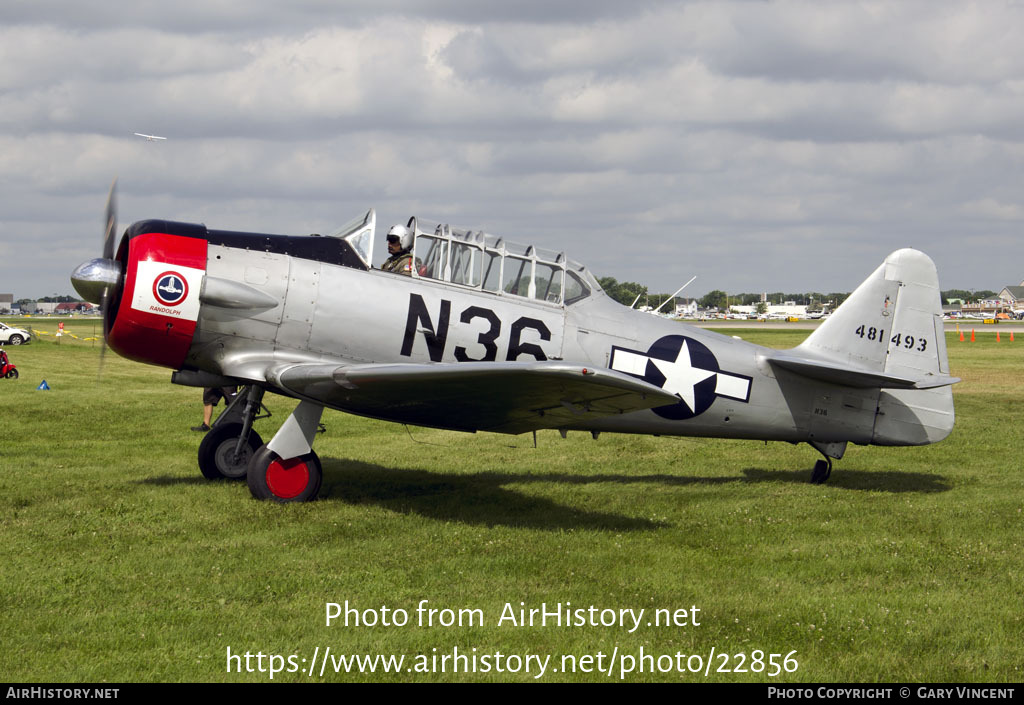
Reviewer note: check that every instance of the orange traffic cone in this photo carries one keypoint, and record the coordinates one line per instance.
(998, 340)
(972, 335)
(961, 336)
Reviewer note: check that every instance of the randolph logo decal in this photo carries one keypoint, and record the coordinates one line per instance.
(167, 289)
(170, 288)
(685, 367)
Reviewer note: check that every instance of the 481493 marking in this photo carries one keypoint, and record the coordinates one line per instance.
(900, 339)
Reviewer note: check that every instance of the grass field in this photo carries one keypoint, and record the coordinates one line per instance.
(121, 563)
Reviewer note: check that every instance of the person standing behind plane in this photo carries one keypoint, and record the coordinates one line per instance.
(400, 241)
(212, 395)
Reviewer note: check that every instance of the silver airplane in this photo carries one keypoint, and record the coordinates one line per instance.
(488, 335)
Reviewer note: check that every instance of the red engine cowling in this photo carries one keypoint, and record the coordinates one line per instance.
(158, 304)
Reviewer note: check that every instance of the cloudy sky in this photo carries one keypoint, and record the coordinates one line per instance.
(759, 145)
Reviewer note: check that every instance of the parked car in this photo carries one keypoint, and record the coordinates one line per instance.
(13, 336)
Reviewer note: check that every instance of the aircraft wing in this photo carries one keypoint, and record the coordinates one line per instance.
(506, 397)
(850, 376)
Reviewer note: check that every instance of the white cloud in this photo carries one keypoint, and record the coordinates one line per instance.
(752, 133)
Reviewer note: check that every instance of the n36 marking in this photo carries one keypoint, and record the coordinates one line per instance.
(419, 321)
(900, 340)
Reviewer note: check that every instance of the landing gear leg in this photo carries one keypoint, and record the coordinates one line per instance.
(287, 469)
(823, 468)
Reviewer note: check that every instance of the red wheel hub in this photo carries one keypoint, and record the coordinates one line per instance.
(287, 478)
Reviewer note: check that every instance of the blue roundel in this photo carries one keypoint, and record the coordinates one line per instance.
(685, 367)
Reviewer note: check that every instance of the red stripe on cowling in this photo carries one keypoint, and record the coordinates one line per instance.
(148, 337)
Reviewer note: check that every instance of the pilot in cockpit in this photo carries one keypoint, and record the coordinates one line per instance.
(400, 242)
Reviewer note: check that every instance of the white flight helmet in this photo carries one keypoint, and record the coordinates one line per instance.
(403, 235)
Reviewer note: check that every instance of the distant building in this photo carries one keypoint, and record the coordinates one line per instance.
(687, 308)
(73, 307)
(988, 307)
(787, 309)
(6, 303)
(1013, 296)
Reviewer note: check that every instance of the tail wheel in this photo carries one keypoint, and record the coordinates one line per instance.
(292, 480)
(13, 374)
(822, 471)
(217, 459)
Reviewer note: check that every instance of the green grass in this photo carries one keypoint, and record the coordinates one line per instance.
(121, 563)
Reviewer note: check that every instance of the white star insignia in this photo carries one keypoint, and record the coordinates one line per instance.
(681, 376)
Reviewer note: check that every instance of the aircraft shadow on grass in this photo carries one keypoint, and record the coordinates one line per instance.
(892, 481)
(476, 498)
(483, 498)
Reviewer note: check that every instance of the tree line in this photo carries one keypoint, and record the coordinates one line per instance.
(627, 292)
(50, 300)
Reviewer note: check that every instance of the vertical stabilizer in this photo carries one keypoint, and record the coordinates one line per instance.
(892, 324)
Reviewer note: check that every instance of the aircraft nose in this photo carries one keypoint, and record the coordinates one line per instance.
(91, 279)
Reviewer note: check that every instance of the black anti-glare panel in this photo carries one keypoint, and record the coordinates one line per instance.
(329, 250)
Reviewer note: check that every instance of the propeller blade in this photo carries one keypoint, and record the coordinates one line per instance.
(111, 222)
(103, 343)
(108, 254)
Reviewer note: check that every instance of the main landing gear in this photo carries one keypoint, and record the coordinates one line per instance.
(287, 469)
(284, 470)
(228, 446)
(294, 480)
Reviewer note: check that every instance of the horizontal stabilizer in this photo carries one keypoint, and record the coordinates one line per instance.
(507, 397)
(826, 371)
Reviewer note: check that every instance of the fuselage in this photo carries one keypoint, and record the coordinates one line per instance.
(336, 313)
(236, 304)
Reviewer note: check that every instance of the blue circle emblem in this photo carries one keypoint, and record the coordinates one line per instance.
(170, 288)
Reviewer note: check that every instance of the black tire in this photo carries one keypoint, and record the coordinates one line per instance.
(821, 473)
(217, 450)
(13, 374)
(15, 340)
(295, 480)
